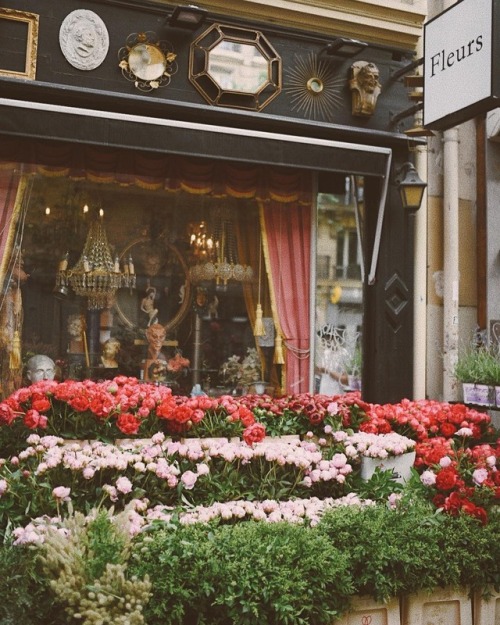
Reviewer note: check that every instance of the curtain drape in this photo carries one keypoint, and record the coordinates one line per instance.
(288, 248)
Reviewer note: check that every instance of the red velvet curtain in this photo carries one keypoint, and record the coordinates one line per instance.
(288, 233)
(9, 182)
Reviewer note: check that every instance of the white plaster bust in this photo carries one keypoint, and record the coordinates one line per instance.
(40, 367)
(84, 39)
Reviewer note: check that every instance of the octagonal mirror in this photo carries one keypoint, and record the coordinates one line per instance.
(235, 67)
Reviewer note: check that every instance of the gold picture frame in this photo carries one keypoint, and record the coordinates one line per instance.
(32, 22)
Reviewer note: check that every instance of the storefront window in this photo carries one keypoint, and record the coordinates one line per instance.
(339, 292)
(109, 273)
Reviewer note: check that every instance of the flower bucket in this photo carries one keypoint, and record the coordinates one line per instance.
(365, 610)
(479, 394)
(486, 611)
(401, 466)
(446, 606)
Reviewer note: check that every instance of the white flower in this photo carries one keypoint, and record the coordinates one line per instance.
(61, 493)
(428, 478)
(479, 476)
(123, 485)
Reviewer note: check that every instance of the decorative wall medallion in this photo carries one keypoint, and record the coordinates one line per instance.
(147, 62)
(365, 88)
(84, 39)
(314, 90)
(235, 67)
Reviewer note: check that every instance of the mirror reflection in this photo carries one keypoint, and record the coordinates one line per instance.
(238, 67)
(339, 287)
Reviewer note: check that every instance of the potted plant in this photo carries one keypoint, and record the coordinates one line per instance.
(241, 374)
(478, 369)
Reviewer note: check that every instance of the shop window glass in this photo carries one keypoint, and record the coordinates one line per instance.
(150, 233)
(338, 297)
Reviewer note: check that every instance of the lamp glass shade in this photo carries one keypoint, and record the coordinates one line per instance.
(411, 190)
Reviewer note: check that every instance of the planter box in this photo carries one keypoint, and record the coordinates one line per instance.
(487, 611)
(497, 396)
(401, 465)
(447, 606)
(479, 394)
(365, 610)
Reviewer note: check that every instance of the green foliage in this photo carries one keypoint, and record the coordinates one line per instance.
(412, 548)
(92, 588)
(478, 365)
(26, 597)
(271, 574)
(378, 487)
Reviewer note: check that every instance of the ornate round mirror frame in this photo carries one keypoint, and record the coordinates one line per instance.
(184, 307)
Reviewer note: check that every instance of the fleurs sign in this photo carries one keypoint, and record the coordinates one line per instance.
(461, 58)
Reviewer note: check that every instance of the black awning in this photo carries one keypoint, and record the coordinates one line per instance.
(60, 123)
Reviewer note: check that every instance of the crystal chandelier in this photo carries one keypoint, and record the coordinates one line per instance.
(96, 275)
(217, 256)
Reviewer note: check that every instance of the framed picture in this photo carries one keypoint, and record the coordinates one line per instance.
(20, 30)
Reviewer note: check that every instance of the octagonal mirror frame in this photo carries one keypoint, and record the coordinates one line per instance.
(211, 86)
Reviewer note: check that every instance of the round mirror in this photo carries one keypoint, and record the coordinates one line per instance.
(163, 291)
(146, 61)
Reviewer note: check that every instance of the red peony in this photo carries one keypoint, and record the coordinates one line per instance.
(128, 423)
(41, 404)
(447, 429)
(33, 419)
(80, 403)
(182, 414)
(246, 416)
(254, 433)
(446, 479)
(7, 415)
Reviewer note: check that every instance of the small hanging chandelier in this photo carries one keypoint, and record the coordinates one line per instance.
(96, 275)
(217, 255)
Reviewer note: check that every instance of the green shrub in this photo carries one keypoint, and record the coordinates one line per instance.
(26, 597)
(413, 548)
(271, 574)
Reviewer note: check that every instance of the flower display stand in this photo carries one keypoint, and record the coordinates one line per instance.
(487, 611)
(446, 606)
(367, 611)
(401, 465)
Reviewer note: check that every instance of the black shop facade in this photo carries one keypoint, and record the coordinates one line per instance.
(226, 184)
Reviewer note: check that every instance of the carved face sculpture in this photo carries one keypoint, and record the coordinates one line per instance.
(155, 335)
(368, 77)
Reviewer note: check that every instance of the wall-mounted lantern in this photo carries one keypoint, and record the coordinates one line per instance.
(411, 187)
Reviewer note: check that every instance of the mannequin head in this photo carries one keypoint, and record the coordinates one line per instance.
(40, 367)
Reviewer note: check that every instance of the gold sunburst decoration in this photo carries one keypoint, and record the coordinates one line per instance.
(314, 89)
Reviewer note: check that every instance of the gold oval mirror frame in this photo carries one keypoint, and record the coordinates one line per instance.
(159, 265)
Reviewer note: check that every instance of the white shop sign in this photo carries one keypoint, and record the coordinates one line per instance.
(461, 64)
